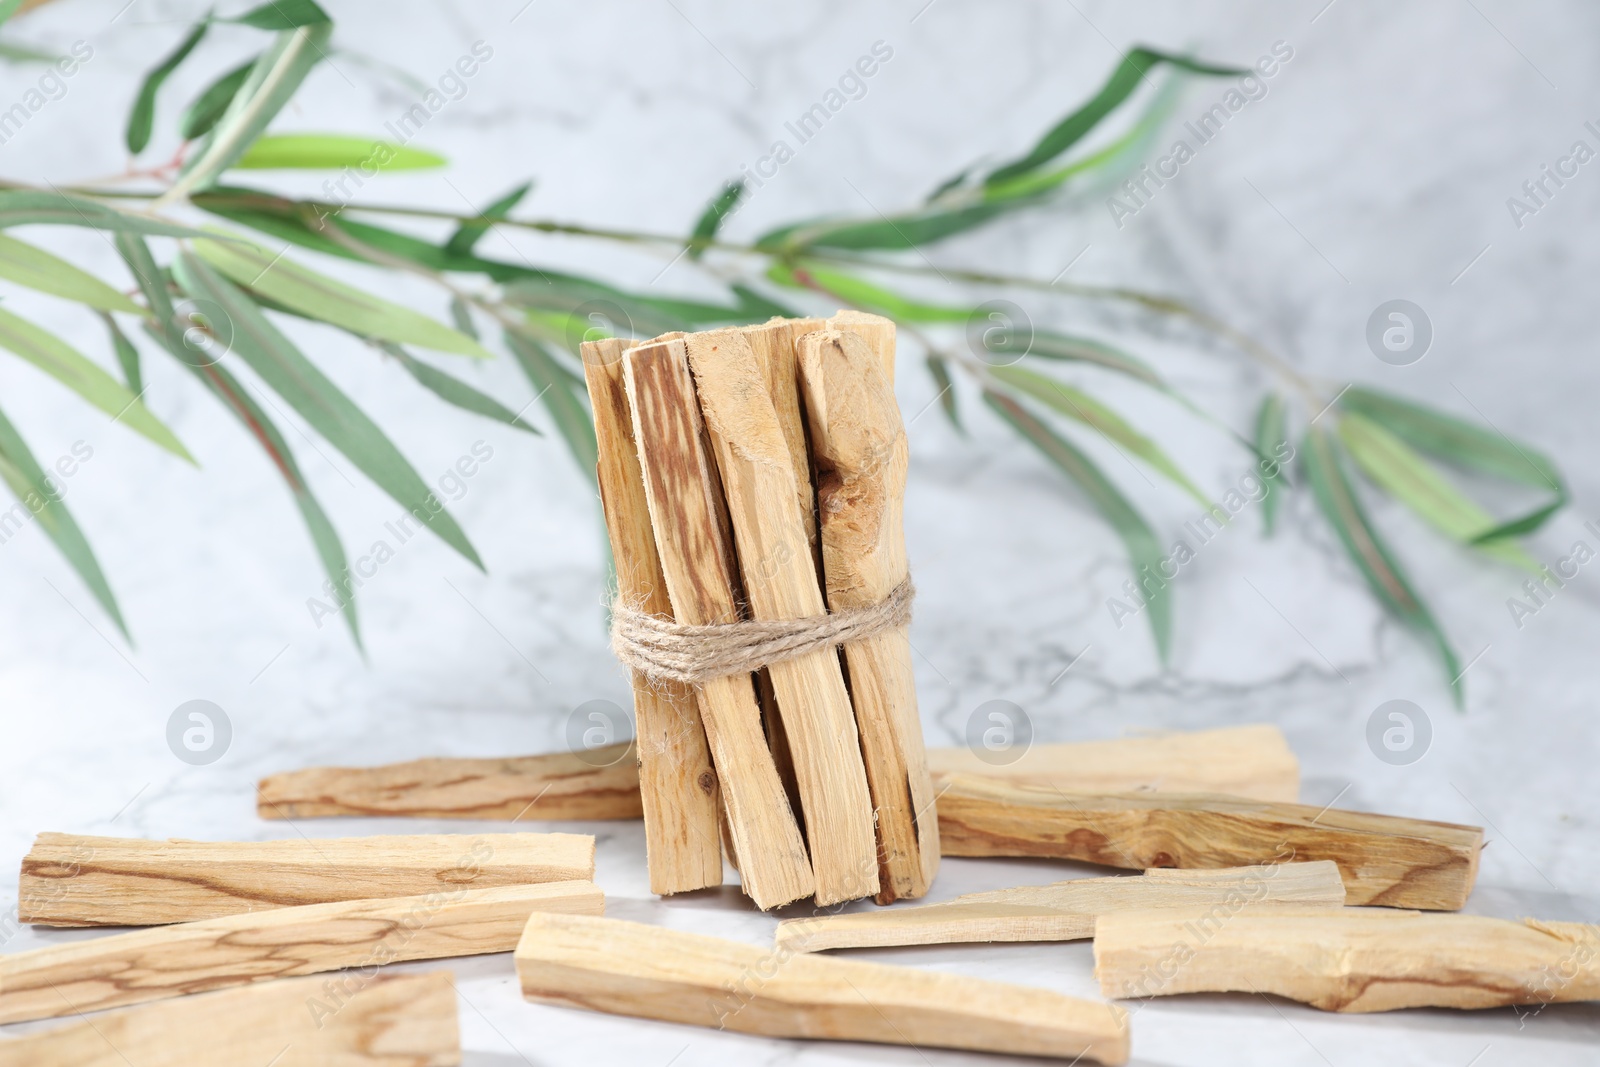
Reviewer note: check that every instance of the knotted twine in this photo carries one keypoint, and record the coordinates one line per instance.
(664, 650)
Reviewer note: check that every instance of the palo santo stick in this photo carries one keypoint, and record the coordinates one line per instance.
(677, 784)
(1066, 911)
(773, 345)
(876, 330)
(603, 784)
(171, 961)
(395, 1020)
(1383, 859)
(1245, 761)
(860, 449)
(1354, 959)
(632, 969)
(780, 582)
(685, 506)
(68, 880)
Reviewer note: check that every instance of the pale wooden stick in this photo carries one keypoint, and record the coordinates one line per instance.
(877, 331)
(603, 784)
(780, 581)
(1247, 761)
(685, 506)
(169, 961)
(1354, 959)
(677, 783)
(632, 969)
(70, 880)
(860, 449)
(392, 1020)
(1402, 863)
(1065, 911)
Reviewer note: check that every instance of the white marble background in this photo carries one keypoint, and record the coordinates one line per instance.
(1378, 166)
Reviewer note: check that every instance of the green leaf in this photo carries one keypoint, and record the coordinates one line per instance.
(710, 221)
(282, 15)
(1468, 447)
(855, 292)
(1337, 498)
(1071, 129)
(23, 207)
(274, 78)
(461, 315)
(939, 371)
(320, 402)
(462, 242)
(1271, 433)
(24, 264)
(759, 307)
(1414, 482)
(1076, 404)
(153, 283)
(7, 9)
(74, 370)
(226, 388)
(326, 300)
(1066, 348)
(29, 483)
(559, 393)
(127, 356)
(454, 391)
(210, 105)
(142, 118)
(333, 151)
(1144, 552)
(17, 53)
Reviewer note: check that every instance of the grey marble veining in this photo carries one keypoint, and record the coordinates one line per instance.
(1377, 165)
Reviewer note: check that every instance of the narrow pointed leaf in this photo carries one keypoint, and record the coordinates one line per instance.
(282, 15)
(74, 370)
(22, 207)
(326, 300)
(27, 265)
(1467, 446)
(127, 356)
(1076, 404)
(1414, 482)
(758, 306)
(559, 394)
(462, 242)
(142, 118)
(1271, 434)
(1336, 496)
(461, 315)
(274, 78)
(454, 391)
(233, 395)
(315, 398)
(7, 9)
(1144, 552)
(28, 482)
(855, 292)
(201, 116)
(939, 371)
(333, 151)
(710, 221)
(1071, 129)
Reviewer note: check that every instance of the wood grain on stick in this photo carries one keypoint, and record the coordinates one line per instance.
(859, 445)
(395, 1020)
(170, 961)
(632, 969)
(69, 880)
(600, 784)
(1246, 761)
(696, 559)
(877, 331)
(677, 782)
(1354, 960)
(1066, 911)
(1383, 859)
(781, 582)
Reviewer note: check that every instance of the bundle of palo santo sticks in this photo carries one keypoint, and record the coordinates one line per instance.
(752, 480)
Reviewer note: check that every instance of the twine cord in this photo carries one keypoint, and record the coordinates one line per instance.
(664, 650)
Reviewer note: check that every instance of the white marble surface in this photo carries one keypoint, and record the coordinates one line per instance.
(1380, 163)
